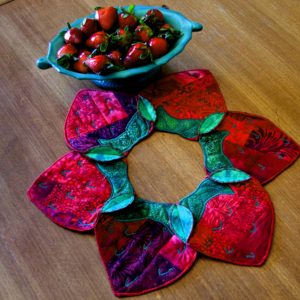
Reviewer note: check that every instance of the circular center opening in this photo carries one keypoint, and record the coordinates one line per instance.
(165, 167)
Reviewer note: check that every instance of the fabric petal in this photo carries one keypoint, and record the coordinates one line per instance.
(256, 146)
(105, 119)
(73, 190)
(141, 256)
(238, 227)
(185, 98)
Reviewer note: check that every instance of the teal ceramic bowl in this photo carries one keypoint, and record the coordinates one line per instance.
(134, 76)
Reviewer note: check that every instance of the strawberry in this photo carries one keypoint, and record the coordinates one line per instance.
(153, 17)
(127, 18)
(65, 55)
(73, 35)
(169, 33)
(158, 46)
(106, 17)
(98, 40)
(143, 33)
(67, 49)
(89, 26)
(79, 65)
(138, 54)
(166, 27)
(98, 63)
(116, 57)
(122, 37)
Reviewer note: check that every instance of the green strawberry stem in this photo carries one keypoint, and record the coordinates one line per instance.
(62, 33)
(128, 11)
(109, 68)
(103, 47)
(66, 60)
(131, 8)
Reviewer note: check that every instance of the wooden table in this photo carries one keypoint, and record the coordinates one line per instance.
(252, 47)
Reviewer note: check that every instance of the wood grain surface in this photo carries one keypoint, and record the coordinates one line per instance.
(252, 48)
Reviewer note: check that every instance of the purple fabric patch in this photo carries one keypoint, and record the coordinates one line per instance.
(141, 256)
(126, 270)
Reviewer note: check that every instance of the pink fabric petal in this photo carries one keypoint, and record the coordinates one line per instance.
(141, 256)
(97, 114)
(71, 192)
(237, 228)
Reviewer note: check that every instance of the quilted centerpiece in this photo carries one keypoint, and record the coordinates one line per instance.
(146, 245)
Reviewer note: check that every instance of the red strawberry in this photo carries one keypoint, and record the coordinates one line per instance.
(116, 57)
(65, 55)
(127, 18)
(158, 46)
(143, 33)
(89, 26)
(79, 65)
(98, 63)
(98, 40)
(67, 49)
(169, 33)
(167, 26)
(106, 17)
(154, 17)
(138, 54)
(73, 35)
(122, 37)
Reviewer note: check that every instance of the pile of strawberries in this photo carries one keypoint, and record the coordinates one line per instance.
(116, 40)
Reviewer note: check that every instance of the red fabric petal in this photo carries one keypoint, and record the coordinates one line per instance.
(141, 256)
(256, 146)
(237, 228)
(71, 192)
(192, 94)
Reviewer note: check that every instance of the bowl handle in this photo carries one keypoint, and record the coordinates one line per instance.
(42, 63)
(196, 26)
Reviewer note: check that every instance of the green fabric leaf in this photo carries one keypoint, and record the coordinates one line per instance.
(117, 203)
(229, 175)
(142, 209)
(136, 129)
(187, 128)
(207, 190)
(138, 210)
(101, 153)
(177, 218)
(122, 193)
(211, 122)
(181, 220)
(212, 146)
(146, 109)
